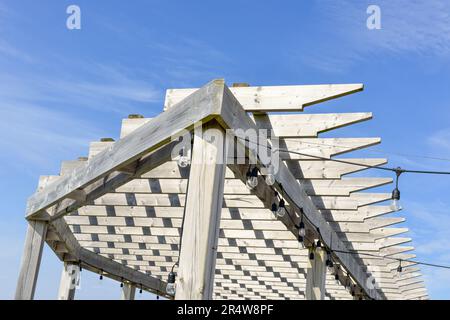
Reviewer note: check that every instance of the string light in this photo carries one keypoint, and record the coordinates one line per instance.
(400, 268)
(301, 244)
(171, 286)
(140, 289)
(183, 161)
(252, 178)
(270, 177)
(395, 205)
(301, 227)
(329, 263)
(274, 209)
(101, 275)
(121, 282)
(319, 244)
(311, 254)
(281, 209)
(349, 162)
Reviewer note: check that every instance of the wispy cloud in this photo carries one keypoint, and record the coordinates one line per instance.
(440, 140)
(94, 86)
(408, 27)
(431, 224)
(34, 135)
(9, 51)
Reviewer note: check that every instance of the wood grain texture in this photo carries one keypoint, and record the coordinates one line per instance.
(316, 273)
(275, 98)
(31, 260)
(202, 216)
(67, 283)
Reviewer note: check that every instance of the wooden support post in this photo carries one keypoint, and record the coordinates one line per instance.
(128, 291)
(195, 280)
(68, 282)
(31, 260)
(316, 275)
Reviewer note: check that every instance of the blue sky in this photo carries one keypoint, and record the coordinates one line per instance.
(61, 89)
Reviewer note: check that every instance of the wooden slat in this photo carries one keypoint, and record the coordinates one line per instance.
(331, 187)
(303, 169)
(323, 147)
(306, 125)
(322, 169)
(275, 98)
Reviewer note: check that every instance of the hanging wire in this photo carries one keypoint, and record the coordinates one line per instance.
(371, 151)
(361, 253)
(346, 162)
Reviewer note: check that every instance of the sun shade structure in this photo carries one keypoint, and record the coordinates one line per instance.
(130, 212)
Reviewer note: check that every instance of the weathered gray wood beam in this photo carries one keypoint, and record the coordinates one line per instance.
(97, 263)
(31, 260)
(202, 215)
(128, 291)
(67, 284)
(316, 274)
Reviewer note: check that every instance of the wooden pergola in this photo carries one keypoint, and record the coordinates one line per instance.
(129, 212)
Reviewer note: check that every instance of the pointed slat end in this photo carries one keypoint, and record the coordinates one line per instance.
(334, 91)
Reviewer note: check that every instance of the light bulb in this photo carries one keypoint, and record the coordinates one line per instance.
(400, 268)
(252, 182)
(301, 230)
(281, 209)
(301, 244)
(170, 289)
(395, 205)
(183, 161)
(281, 212)
(330, 266)
(274, 209)
(252, 178)
(270, 179)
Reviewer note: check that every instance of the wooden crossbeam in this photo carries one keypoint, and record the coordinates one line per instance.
(332, 187)
(284, 126)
